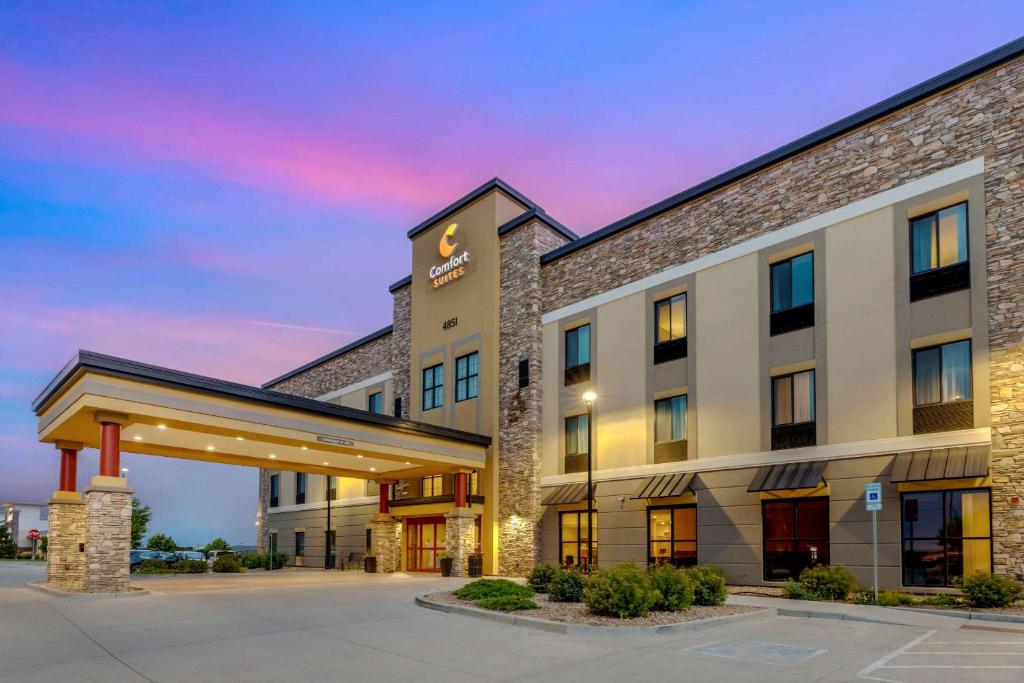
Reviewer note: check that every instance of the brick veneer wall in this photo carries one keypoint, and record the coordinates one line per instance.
(372, 358)
(519, 417)
(980, 117)
(401, 349)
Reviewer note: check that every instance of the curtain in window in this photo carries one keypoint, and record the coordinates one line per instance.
(782, 291)
(664, 321)
(783, 400)
(927, 377)
(678, 418)
(581, 423)
(923, 246)
(678, 306)
(662, 421)
(803, 279)
(803, 397)
(583, 345)
(953, 235)
(956, 371)
(571, 443)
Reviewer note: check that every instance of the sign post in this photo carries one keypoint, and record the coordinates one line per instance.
(873, 503)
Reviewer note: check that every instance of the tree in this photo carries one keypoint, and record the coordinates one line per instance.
(141, 514)
(8, 546)
(161, 542)
(217, 544)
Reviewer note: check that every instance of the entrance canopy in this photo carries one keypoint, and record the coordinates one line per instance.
(180, 415)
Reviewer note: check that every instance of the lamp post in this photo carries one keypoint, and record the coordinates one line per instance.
(588, 400)
(328, 564)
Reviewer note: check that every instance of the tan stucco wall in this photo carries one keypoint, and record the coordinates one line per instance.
(620, 412)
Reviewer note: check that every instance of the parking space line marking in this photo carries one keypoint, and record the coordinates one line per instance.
(977, 642)
(951, 666)
(909, 652)
(881, 662)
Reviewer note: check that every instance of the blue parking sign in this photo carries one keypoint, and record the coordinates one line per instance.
(873, 496)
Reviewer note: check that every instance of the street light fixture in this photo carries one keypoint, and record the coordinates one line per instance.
(589, 397)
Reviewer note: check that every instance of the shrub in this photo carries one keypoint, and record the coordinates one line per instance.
(278, 560)
(828, 583)
(567, 586)
(990, 590)
(708, 582)
(482, 589)
(254, 561)
(894, 599)
(25, 555)
(192, 567)
(506, 603)
(542, 575)
(794, 590)
(152, 564)
(675, 593)
(622, 591)
(938, 600)
(228, 564)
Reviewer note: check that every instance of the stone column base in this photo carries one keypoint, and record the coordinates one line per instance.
(108, 535)
(65, 545)
(386, 542)
(460, 532)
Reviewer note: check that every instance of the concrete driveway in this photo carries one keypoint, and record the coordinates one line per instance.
(316, 626)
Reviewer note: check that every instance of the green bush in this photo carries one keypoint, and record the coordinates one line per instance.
(192, 567)
(794, 590)
(254, 561)
(990, 590)
(228, 564)
(542, 575)
(894, 599)
(482, 589)
(675, 593)
(278, 560)
(938, 600)
(506, 603)
(708, 582)
(25, 555)
(152, 564)
(828, 583)
(567, 586)
(622, 591)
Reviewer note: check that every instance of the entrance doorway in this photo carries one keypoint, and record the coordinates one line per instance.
(424, 542)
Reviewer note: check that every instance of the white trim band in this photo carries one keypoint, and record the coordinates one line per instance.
(322, 505)
(368, 382)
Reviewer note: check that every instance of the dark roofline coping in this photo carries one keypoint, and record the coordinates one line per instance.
(493, 183)
(122, 367)
(965, 71)
(539, 215)
(404, 282)
(373, 336)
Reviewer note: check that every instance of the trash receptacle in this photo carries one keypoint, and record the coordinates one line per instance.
(476, 566)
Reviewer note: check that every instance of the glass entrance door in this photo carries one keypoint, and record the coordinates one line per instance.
(424, 542)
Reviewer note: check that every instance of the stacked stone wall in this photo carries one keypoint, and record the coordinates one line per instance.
(108, 539)
(65, 561)
(401, 346)
(372, 358)
(460, 532)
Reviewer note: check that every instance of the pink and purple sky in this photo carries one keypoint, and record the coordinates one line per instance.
(199, 185)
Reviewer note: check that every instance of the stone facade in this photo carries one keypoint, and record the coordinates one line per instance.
(367, 360)
(108, 538)
(65, 561)
(519, 418)
(386, 543)
(460, 530)
(401, 341)
(263, 533)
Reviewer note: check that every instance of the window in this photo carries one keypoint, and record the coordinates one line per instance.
(942, 388)
(795, 536)
(939, 253)
(474, 483)
(300, 488)
(792, 294)
(433, 387)
(398, 406)
(946, 535)
(672, 535)
(372, 488)
(524, 373)
(433, 485)
(332, 487)
(375, 402)
(300, 544)
(275, 490)
(467, 377)
(577, 355)
(670, 328)
(44, 513)
(670, 429)
(572, 538)
(793, 410)
(577, 443)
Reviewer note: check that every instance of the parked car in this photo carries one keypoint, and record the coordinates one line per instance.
(190, 555)
(136, 557)
(212, 556)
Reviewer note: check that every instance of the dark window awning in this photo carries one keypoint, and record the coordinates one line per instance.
(664, 486)
(793, 475)
(565, 494)
(941, 463)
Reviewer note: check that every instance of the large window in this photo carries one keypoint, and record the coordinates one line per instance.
(942, 388)
(432, 485)
(275, 490)
(670, 429)
(792, 294)
(467, 377)
(577, 354)
(795, 536)
(672, 535)
(670, 328)
(577, 443)
(793, 422)
(946, 534)
(300, 488)
(300, 544)
(938, 252)
(433, 387)
(572, 538)
(375, 402)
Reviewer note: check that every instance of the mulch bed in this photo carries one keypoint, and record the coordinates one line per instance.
(577, 613)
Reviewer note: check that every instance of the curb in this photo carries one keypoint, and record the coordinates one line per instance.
(835, 616)
(971, 616)
(587, 629)
(70, 595)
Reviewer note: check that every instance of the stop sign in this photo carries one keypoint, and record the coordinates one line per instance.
(33, 534)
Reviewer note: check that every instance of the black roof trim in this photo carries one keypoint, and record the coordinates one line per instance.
(373, 336)
(539, 214)
(404, 282)
(967, 70)
(492, 184)
(121, 367)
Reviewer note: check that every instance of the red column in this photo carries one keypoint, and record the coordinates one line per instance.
(110, 449)
(385, 491)
(461, 489)
(68, 469)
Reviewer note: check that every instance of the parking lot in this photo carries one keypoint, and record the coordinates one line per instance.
(317, 626)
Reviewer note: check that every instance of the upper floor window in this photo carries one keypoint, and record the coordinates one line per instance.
(577, 354)
(300, 488)
(433, 386)
(474, 483)
(467, 376)
(375, 402)
(670, 429)
(670, 328)
(792, 294)
(793, 410)
(433, 485)
(942, 388)
(275, 490)
(577, 443)
(939, 253)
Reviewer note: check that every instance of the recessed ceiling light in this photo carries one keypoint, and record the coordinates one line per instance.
(239, 438)
(210, 448)
(305, 448)
(272, 455)
(325, 462)
(359, 456)
(407, 462)
(373, 469)
(161, 426)
(137, 438)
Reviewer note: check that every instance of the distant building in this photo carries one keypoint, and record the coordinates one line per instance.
(21, 518)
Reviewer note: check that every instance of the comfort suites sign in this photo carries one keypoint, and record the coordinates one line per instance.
(455, 266)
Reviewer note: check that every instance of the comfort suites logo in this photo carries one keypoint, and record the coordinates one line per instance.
(455, 266)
